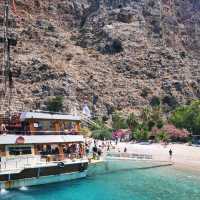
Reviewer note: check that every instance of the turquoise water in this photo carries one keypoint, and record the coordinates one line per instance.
(118, 180)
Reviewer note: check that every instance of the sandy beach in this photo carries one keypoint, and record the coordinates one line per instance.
(184, 157)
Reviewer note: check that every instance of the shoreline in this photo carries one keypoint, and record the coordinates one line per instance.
(184, 157)
(194, 168)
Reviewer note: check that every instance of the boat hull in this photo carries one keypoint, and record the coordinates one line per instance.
(43, 175)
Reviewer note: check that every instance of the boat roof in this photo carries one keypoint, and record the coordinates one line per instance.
(40, 139)
(51, 116)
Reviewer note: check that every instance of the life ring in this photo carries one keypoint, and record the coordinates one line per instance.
(61, 164)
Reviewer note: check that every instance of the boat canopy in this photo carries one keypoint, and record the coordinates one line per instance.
(50, 116)
(40, 139)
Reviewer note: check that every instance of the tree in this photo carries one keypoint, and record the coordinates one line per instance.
(118, 121)
(145, 114)
(132, 121)
(151, 117)
(100, 130)
(156, 117)
(55, 104)
(187, 117)
(140, 133)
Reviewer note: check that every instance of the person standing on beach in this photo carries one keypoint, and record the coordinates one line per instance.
(94, 149)
(170, 154)
(108, 148)
(99, 152)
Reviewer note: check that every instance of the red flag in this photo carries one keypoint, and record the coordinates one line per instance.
(14, 6)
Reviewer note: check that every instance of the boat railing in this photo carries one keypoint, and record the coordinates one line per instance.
(129, 155)
(18, 162)
(40, 132)
(60, 157)
(21, 162)
(66, 132)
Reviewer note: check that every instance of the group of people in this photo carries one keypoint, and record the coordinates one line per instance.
(98, 148)
(68, 151)
(97, 152)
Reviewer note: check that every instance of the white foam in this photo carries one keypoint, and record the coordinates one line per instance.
(3, 191)
(23, 188)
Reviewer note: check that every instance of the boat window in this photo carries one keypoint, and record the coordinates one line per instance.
(20, 150)
(69, 125)
(44, 125)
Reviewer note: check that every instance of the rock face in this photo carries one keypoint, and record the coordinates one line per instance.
(124, 51)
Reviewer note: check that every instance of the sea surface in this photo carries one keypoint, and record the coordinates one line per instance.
(118, 180)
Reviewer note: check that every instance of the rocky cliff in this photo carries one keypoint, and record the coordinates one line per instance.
(123, 51)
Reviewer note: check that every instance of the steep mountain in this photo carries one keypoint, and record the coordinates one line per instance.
(124, 52)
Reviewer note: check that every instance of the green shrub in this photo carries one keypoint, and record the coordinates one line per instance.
(116, 46)
(145, 92)
(55, 104)
(162, 136)
(170, 101)
(160, 123)
(102, 134)
(136, 134)
(182, 54)
(86, 132)
(150, 125)
(155, 101)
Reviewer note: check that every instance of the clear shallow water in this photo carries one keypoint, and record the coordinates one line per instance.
(118, 180)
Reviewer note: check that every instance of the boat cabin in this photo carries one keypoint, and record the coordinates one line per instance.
(44, 136)
(38, 123)
(46, 148)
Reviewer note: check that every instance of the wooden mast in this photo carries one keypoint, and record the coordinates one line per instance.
(7, 80)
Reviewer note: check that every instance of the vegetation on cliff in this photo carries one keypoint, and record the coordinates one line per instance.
(152, 123)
